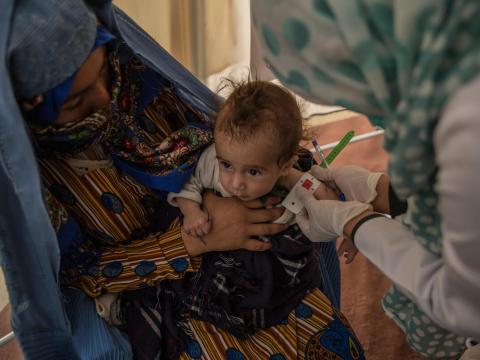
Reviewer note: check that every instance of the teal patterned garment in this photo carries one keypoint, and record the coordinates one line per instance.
(397, 62)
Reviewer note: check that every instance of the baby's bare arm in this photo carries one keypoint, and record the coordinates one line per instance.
(188, 207)
(196, 220)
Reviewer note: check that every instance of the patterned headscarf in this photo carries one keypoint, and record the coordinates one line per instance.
(39, 63)
(119, 127)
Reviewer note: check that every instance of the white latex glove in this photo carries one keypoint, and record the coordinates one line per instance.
(324, 220)
(355, 182)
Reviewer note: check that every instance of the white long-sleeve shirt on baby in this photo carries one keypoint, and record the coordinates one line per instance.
(206, 176)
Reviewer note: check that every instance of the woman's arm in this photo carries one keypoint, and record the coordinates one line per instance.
(447, 288)
(122, 267)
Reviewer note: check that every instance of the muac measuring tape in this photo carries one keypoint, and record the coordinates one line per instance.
(337, 149)
(309, 182)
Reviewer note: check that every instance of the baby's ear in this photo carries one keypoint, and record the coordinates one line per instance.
(287, 165)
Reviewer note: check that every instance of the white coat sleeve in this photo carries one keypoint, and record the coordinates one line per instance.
(202, 178)
(448, 288)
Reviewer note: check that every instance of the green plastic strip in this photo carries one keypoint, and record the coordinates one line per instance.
(338, 148)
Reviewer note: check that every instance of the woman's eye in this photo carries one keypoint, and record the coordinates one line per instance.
(254, 172)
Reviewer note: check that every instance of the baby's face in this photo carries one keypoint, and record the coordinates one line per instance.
(247, 170)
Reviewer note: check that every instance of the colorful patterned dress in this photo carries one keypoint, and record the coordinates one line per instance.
(132, 238)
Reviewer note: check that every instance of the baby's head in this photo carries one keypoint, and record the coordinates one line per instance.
(257, 135)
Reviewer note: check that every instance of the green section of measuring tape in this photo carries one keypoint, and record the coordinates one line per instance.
(338, 148)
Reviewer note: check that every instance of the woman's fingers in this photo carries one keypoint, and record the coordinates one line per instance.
(321, 173)
(256, 245)
(264, 215)
(265, 229)
(257, 204)
(235, 223)
(187, 230)
(254, 204)
(206, 227)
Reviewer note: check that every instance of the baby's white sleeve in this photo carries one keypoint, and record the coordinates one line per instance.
(202, 178)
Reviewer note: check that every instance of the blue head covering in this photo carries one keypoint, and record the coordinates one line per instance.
(42, 42)
(48, 111)
(39, 63)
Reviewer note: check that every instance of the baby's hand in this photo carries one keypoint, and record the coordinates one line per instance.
(347, 249)
(197, 223)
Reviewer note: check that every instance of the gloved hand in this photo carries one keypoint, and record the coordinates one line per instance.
(355, 182)
(324, 220)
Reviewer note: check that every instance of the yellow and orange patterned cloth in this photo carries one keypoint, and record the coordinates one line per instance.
(131, 237)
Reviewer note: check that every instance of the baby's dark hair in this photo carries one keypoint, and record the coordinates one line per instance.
(260, 107)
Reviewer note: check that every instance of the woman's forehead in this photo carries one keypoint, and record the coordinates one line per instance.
(88, 72)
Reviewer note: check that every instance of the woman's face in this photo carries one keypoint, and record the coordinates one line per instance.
(90, 90)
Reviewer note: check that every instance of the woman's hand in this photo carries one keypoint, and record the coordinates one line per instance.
(323, 192)
(324, 220)
(233, 225)
(358, 184)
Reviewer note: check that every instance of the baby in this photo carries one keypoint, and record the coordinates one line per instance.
(256, 142)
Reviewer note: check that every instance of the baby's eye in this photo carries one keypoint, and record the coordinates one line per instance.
(254, 172)
(225, 165)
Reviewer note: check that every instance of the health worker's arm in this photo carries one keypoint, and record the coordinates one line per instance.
(448, 288)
